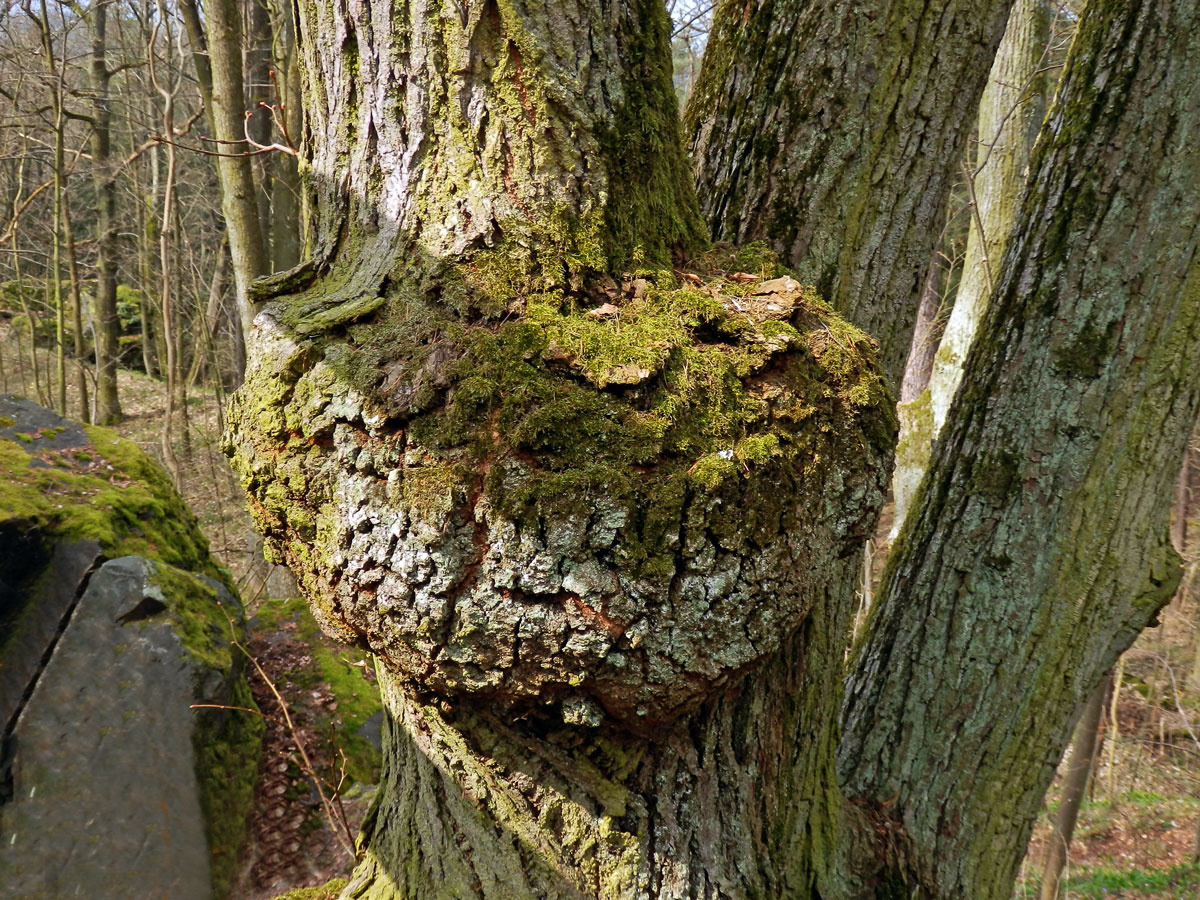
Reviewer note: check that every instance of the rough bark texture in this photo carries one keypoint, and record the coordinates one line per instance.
(1041, 545)
(831, 129)
(594, 522)
(1010, 114)
(529, 123)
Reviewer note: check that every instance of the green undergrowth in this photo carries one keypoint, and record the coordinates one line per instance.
(1104, 883)
(616, 390)
(110, 492)
(357, 698)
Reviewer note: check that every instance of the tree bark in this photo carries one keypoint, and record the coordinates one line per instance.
(1041, 546)
(286, 191)
(832, 130)
(247, 247)
(1010, 114)
(1079, 773)
(602, 533)
(599, 682)
(104, 311)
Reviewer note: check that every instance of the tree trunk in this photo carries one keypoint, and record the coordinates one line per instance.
(913, 408)
(259, 125)
(1041, 546)
(104, 311)
(1079, 773)
(247, 248)
(605, 523)
(1010, 114)
(286, 212)
(79, 350)
(597, 507)
(832, 130)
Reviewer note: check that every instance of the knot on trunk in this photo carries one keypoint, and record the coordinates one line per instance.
(601, 503)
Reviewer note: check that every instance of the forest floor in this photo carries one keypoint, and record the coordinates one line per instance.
(1137, 830)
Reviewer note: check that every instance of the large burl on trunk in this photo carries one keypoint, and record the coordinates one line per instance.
(587, 496)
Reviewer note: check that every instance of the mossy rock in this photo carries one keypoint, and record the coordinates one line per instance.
(605, 496)
(70, 485)
(79, 482)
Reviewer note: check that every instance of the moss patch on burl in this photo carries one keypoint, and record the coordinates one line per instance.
(699, 376)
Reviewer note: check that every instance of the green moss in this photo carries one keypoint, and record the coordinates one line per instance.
(204, 626)
(227, 744)
(112, 493)
(573, 398)
(357, 699)
(328, 891)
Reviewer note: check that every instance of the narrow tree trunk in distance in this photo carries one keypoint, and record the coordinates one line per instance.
(913, 408)
(1079, 772)
(227, 115)
(286, 224)
(59, 166)
(81, 384)
(832, 130)
(259, 123)
(104, 311)
(1041, 544)
(1010, 114)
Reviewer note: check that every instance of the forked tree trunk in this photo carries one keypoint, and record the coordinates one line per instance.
(601, 530)
(1041, 545)
(1010, 115)
(833, 130)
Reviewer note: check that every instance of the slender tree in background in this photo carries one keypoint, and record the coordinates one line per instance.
(1079, 772)
(104, 307)
(247, 246)
(286, 206)
(167, 83)
(1010, 115)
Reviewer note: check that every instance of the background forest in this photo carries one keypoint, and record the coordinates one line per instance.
(123, 175)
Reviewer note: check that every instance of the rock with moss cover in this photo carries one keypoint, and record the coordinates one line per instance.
(608, 504)
(112, 786)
